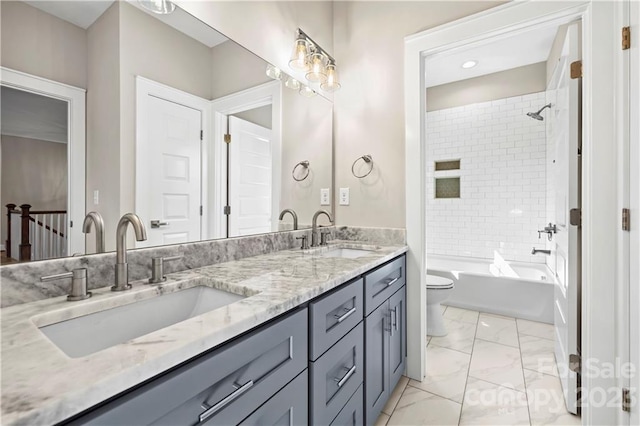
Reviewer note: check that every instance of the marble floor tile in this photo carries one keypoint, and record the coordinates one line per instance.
(497, 329)
(488, 404)
(538, 354)
(382, 420)
(460, 336)
(498, 364)
(447, 372)
(538, 329)
(417, 407)
(459, 314)
(546, 400)
(395, 395)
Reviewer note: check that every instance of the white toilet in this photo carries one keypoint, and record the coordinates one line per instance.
(438, 290)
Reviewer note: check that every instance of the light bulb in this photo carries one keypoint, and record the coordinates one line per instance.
(299, 56)
(161, 7)
(273, 72)
(307, 92)
(316, 73)
(332, 84)
(292, 83)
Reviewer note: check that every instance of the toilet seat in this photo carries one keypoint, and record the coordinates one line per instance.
(435, 282)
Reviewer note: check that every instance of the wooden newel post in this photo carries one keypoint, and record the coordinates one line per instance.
(7, 247)
(25, 245)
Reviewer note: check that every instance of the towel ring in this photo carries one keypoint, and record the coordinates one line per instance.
(367, 159)
(304, 164)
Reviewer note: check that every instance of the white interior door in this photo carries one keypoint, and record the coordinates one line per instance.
(170, 166)
(564, 123)
(250, 178)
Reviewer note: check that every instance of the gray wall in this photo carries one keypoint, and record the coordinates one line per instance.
(234, 68)
(33, 172)
(505, 84)
(59, 49)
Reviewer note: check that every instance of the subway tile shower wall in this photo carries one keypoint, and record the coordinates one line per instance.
(503, 181)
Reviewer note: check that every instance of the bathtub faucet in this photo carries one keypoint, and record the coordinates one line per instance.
(536, 251)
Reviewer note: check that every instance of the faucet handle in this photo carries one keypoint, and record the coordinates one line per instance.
(305, 244)
(157, 268)
(324, 237)
(78, 283)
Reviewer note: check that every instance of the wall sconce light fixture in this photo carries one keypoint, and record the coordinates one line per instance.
(320, 67)
(161, 7)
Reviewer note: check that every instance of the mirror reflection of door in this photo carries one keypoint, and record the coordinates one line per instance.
(250, 169)
(34, 167)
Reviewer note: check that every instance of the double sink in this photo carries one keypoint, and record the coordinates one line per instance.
(84, 335)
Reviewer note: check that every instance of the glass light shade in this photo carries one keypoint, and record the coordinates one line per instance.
(307, 92)
(161, 7)
(273, 72)
(299, 59)
(332, 84)
(292, 83)
(316, 72)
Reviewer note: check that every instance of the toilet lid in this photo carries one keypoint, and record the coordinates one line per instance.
(434, 281)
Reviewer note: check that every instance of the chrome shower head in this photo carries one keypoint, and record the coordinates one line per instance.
(536, 115)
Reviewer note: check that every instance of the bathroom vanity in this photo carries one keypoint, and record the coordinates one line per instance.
(317, 337)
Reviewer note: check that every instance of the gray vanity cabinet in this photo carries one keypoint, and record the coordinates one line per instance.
(353, 413)
(222, 387)
(385, 335)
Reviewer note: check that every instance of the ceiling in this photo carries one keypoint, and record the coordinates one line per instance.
(84, 13)
(32, 116)
(526, 48)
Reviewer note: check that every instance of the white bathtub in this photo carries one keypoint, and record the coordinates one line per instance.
(520, 290)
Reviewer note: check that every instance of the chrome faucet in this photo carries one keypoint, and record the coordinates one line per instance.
(314, 226)
(122, 269)
(98, 224)
(293, 215)
(536, 251)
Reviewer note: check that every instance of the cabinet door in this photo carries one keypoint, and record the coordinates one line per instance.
(351, 414)
(397, 336)
(289, 407)
(376, 362)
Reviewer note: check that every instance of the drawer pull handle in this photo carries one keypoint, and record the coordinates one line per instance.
(344, 379)
(346, 315)
(225, 401)
(392, 282)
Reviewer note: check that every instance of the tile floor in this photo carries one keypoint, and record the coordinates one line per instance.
(489, 370)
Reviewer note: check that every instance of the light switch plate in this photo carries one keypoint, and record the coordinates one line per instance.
(324, 197)
(344, 196)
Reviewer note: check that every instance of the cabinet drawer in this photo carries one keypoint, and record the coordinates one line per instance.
(288, 407)
(353, 413)
(335, 376)
(222, 387)
(333, 316)
(380, 284)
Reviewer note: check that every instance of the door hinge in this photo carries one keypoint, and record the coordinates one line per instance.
(575, 363)
(201, 134)
(227, 210)
(626, 38)
(201, 209)
(575, 217)
(626, 399)
(227, 138)
(71, 224)
(626, 220)
(576, 69)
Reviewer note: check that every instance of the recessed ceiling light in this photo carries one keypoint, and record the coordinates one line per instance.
(469, 64)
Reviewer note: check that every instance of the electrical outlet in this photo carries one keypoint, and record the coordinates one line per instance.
(96, 197)
(344, 196)
(324, 197)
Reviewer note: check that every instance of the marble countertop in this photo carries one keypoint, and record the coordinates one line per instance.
(42, 385)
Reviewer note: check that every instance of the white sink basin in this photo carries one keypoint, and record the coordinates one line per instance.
(346, 253)
(91, 333)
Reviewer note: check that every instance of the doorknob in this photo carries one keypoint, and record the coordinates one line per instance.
(158, 224)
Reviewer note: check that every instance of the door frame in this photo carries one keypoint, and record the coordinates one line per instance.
(601, 142)
(145, 88)
(76, 144)
(264, 94)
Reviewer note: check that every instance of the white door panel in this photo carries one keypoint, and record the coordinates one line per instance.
(172, 173)
(563, 126)
(250, 178)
